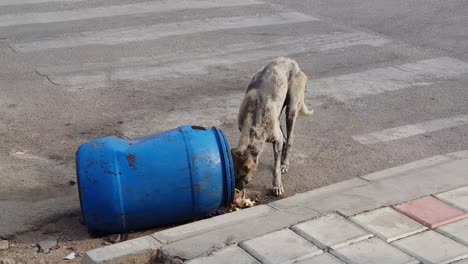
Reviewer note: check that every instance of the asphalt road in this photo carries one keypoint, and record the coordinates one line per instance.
(388, 83)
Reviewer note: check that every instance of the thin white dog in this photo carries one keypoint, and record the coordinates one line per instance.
(280, 84)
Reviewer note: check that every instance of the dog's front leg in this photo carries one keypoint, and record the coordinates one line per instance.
(277, 183)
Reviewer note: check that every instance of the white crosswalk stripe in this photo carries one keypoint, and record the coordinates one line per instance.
(128, 35)
(199, 64)
(306, 44)
(25, 2)
(116, 10)
(376, 81)
(401, 132)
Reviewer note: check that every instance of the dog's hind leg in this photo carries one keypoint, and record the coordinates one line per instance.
(277, 149)
(291, 116)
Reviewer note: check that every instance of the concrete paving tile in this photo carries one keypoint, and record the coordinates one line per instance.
(457, 231)
(331, 230)
(372, 251)
(431, 212)
(432, 247)
(280, 247)
(388, 224)
(229, 255)
(324, 258)
(457, 197)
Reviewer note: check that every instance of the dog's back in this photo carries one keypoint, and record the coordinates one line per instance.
(272, 80)
(268, 89)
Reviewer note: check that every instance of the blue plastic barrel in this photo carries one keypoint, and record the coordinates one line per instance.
(173, 177)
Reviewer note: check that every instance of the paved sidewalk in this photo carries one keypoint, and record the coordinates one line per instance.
(415, 213)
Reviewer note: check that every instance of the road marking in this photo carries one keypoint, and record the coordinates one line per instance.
(26, 156)
(128, 35)
(376, 81)
(116, 10)
(411, 130)
(284, 47)
(25, 2)
(171, 66)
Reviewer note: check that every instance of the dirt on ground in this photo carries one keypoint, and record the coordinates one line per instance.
(73, 237)
(70, 237)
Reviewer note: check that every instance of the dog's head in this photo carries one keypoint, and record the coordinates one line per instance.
(244, 167)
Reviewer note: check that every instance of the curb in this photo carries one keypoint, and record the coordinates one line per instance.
(408, 167)
(145, 249)
(138, 250)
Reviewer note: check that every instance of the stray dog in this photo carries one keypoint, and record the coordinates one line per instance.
(280, 84)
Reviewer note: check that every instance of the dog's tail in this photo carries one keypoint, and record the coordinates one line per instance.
(305, 111)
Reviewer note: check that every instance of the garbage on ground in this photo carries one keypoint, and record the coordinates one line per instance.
(241, 200)
(70, 256)
(116, 238)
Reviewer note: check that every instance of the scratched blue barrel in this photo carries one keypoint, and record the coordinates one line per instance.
(172, 177)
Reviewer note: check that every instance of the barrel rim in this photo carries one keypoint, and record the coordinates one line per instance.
(228, 166)
(78, 179)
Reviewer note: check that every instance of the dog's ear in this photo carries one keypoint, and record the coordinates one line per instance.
(236, 153)
(249, 164)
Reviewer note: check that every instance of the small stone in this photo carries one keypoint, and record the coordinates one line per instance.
(46, 245)
(116, 238)
(4, 244)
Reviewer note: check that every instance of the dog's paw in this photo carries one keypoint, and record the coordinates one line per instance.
(284, 168)
(278, 190)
